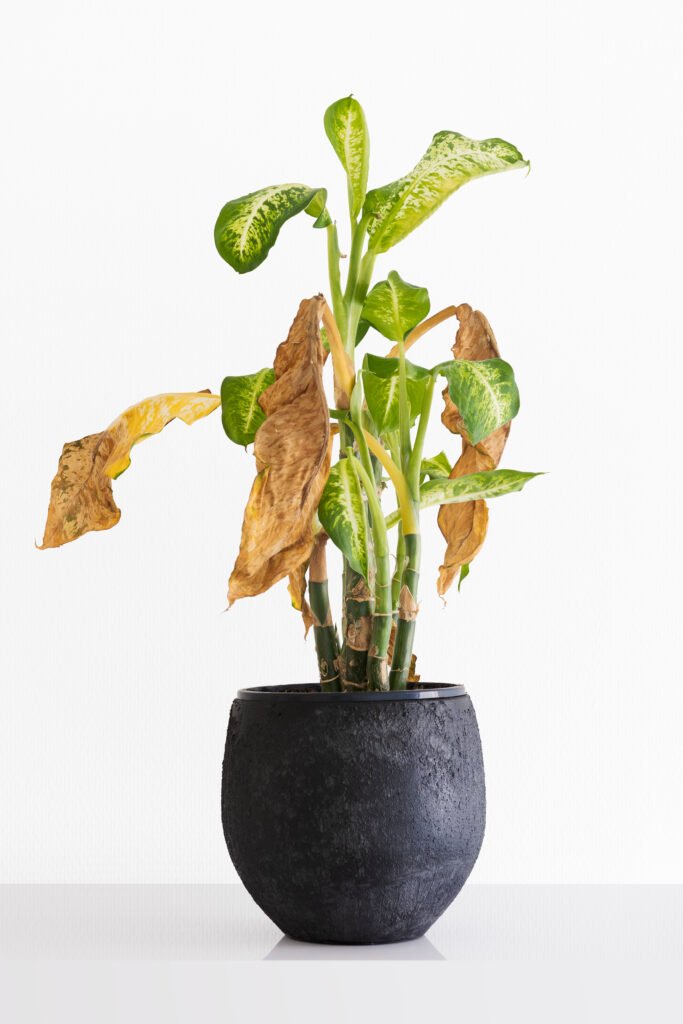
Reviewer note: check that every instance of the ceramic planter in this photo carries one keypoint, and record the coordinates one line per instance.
(353, 817)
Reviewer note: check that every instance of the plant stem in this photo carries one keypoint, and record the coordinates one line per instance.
(415, 461)
(357, 606)
(338, 304)
(378, 677)
(326, 640)
(407, 614)
(398, 571)
(357, 298)
(426, 325)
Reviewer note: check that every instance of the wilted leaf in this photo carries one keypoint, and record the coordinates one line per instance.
(381, 389)
(247, 228)
(292, 451)
(347, 130)
(343, 515)
(81, 497)
(297, 591)
(240, 409)
(464, 525)
(393, 307)
(451, 160)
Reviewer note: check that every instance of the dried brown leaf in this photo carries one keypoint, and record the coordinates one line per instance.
(292, 451)
(81, 496)
(464, 525)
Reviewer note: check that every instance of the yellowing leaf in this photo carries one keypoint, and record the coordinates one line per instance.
(464, 525)
(292, 451)
(81, 497)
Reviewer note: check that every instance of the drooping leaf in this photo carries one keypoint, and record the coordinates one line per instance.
(292, 452)
(464, 525)
(436, 467)
(247, 228)
(297, 586)
(485, 393)
(451, 160)
(343, 514)
(240, 408)
(393, 307)
(347, 130)
(81, 497)
(381, 388)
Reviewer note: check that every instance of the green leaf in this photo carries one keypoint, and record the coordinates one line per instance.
(363, 328)
(240, 410)
(247, 228)
(394, 307)
(381, 390)
(435, 468)
(347, 130)
(493, 483)
(464, 573)
(343, 515)
(484, 391)
(451, 160)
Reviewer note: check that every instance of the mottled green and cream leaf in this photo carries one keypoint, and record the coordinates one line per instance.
(393, 307)
(435, 468)
(381, 390)
(485, 393)
(241, 411)
(247, 228)
(342, 513)
(450, 161)
(493, 483)
(347, 130)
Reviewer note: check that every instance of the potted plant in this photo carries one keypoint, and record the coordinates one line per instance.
(353, 808)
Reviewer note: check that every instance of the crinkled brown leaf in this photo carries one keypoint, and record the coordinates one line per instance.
(464, 524)
(297, 591)
(81, 497)
(292, 450)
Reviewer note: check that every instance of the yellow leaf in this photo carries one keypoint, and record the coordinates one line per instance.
(292, 451)
(81, 497)
(464, 524)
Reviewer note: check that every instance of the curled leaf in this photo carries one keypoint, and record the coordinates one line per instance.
(241, 413)
(343, 514)
(247, 228)
(464, 525)
(81, 497)
(347, 130)
(393, 307)
(292, 451)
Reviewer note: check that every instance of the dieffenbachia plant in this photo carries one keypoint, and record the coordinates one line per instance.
(300, 497)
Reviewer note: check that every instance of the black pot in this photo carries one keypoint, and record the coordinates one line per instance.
(353, 817)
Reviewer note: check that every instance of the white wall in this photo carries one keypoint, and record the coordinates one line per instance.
(127, 126)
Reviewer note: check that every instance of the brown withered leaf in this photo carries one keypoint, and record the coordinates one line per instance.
(464, 525)
(81, 496)
(297, 591)
(292, 451)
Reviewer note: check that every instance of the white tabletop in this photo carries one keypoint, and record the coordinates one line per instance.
(496, 938)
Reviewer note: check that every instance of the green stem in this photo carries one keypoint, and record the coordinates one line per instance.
(415, 461)
(398, 571)
(357, 298)
(407, 613)
(378, 677)
(326, 639)
(357, 607)
(403, 408)
(338, 304)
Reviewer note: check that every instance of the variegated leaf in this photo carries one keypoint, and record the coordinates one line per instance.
(381, 388)
(436, 467)
(343, 514)
(81, 497)
(485, 393)
(247, 228)
(473, 487)
(347, 130)
(393, 307)
(240, 407)
(450, 161)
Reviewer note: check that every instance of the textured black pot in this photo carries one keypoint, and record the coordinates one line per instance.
(354, 817)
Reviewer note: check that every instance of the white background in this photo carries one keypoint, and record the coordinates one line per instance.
(126, 126)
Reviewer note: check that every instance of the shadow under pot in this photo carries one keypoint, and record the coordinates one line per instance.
(353, 817)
